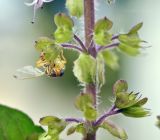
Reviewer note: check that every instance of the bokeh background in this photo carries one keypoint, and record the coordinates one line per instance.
(46, 96)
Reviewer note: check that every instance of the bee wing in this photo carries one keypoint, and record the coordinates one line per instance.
(28, 72)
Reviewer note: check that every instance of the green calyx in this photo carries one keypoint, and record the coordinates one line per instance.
(55, 127)
(64, 25)
(129, 104)
(114, 130)
(84, 103)
(101, 35)
(131, 43)
(49, 47)
(75, 7)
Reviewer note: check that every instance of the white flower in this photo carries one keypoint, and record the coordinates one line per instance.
(37, 4)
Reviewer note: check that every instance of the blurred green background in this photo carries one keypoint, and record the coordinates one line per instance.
(46, 96)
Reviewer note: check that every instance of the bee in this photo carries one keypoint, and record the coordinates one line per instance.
(54, 68)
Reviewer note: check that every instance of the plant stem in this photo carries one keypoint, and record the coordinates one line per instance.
(111, 112)
(70, 46)
(108, 46)
(73, 120)
(90, 137)
(91, 89)
(89, 19)
(80, 42)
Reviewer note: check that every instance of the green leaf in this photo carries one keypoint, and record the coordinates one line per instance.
(84, 101)
(114, 130)
(85, 69)
(15, 125)
(101, 35)
(136, 112)
(75, 7)
(111, 59)
(120, 86)
(136, 28)
(90, 113)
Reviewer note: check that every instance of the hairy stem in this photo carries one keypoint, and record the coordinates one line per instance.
(89, 19)
(110, 112)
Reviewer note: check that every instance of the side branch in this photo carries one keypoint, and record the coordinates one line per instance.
(111, 112)
(101, 48)
(70, 46)
(74, 120)
(80, 42)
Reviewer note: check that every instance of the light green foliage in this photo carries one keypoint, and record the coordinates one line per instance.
(90, 113)
(49, 47)
(101, 35)
(158, 121)
(136, 111)
(55, 127)
(114, 130)
(15, 125)
(85, 69)
(75, 7)
(111, 59)
(130, 43)
(129, 104)
(120, 86)
(43, 43)
(79, 128)
(84, 102)
(100, 70)
(64, 25)
(71, 130)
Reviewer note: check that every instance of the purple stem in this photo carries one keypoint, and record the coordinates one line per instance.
(80, 42)
(73, 120)
(70, 46)
(111, 112)
(115, 37)
(109, 46)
